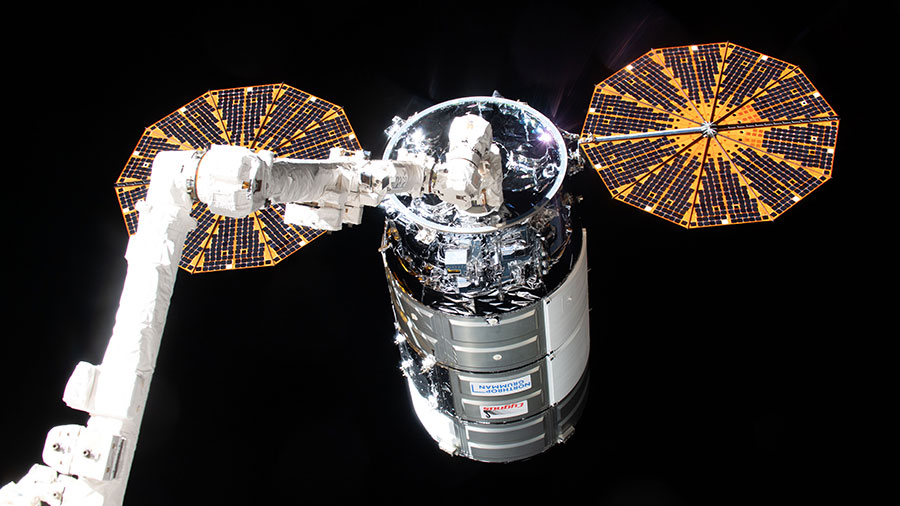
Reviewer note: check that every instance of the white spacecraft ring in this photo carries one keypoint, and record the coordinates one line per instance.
(395, 204)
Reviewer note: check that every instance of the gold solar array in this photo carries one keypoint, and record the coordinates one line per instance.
(710, 135)
(276, 117)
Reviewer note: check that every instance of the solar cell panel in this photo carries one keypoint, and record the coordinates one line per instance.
(646, 81)
(697, 69)
(627, 161)
(668, 190)
(745, 74)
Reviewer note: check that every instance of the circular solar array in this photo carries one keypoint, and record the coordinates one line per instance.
(710, 135)
(275, 117)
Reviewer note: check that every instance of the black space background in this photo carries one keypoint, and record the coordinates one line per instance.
(728, 365)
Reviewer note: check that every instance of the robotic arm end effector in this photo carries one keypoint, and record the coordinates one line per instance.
(232, 180)
(472, 177)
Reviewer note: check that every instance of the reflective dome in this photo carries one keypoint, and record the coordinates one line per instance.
(531, 147)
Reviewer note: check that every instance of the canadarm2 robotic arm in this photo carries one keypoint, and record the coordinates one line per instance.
(89, 465)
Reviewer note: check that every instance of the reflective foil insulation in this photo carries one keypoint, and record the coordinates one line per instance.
(491, 310)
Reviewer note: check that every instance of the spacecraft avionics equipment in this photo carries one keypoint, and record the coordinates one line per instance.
(491, 307)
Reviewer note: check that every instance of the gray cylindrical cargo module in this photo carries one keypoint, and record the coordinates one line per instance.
(492, 311)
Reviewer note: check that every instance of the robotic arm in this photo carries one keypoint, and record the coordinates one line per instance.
(324, 194)
(472, 177)
(89, 465)
(235, 181)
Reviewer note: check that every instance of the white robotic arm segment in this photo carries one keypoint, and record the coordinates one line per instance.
(472, 177)
(234, 181)
(299, 181)
(115, 392)
(43, 485)
(343, 186)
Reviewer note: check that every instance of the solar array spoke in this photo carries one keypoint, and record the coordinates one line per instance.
(195, 125)
(243, 111)
(284, 238)
(626, 161)
(611, 114)
(779, 181)
(332, 131)
(139, 164)
(668, 191)
(129, 195)
(811, 145)
(792, 99)
(198, 239)
(723, 195)
(219, 252)
(647, 82)
(134, 180)
(293, 113)
(746, 74)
